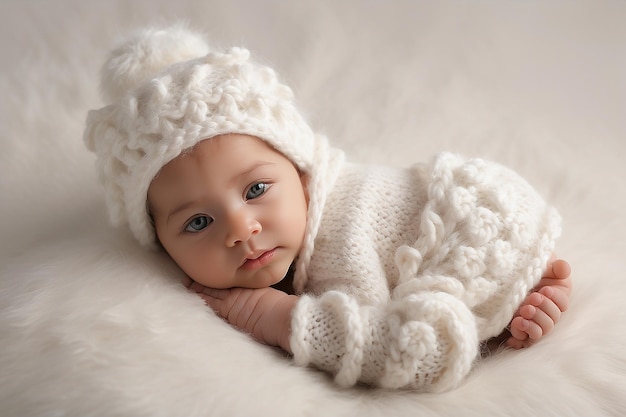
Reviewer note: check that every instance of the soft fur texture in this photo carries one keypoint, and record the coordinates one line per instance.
(91, 324)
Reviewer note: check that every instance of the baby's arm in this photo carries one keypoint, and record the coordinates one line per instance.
(264, 313)
(542, 309)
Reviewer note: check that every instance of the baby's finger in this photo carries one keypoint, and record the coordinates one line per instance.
(561, 269)
(534, 331)
(518, 328)
(558, 296)
(557, 269)
(547, 307)
(540, 325)
(550, 308)
(534, 299)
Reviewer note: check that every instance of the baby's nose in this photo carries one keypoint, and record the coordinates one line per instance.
(242, 225)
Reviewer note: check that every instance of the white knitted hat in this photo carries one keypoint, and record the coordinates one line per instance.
(165, 91)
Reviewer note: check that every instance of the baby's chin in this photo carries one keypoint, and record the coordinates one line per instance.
(285, 284)
(275, 275)
(272, 280)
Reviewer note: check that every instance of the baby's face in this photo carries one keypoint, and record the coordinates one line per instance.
(231, 212)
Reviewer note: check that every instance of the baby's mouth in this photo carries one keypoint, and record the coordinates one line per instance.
(258, 259)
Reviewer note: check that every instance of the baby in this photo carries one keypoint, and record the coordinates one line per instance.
(391, 277)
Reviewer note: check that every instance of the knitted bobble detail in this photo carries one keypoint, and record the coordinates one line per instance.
(144, 55)
(429, 332)
(234, 56)
(408, 260)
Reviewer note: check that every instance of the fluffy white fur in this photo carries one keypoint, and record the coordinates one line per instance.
(91, 324)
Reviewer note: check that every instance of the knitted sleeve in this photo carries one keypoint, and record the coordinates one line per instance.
(484, 237)
(425, 341)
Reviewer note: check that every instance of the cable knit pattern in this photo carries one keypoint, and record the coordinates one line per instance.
(413, 268)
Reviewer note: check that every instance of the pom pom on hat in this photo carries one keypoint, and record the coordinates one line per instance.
(144, 55)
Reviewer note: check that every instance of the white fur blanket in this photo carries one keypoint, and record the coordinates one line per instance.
(91, 325)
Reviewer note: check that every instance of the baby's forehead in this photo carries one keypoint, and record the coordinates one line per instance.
(233, 142)
(231, 152)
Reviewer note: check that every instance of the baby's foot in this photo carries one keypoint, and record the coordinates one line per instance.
(542, 309)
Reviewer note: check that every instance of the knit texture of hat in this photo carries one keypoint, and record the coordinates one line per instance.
(165, 91)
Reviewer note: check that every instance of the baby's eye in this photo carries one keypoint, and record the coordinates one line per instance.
(256, 190)
(198, 224)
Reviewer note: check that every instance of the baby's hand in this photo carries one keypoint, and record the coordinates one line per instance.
(542, 309)
(265, 313)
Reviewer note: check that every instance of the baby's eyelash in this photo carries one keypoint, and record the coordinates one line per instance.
(256, 190)
(197, 224)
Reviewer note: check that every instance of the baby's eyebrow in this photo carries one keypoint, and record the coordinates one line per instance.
(248, 170)
(180, 208)
(253, 167)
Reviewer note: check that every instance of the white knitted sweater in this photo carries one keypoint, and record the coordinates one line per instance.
(412, 268)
